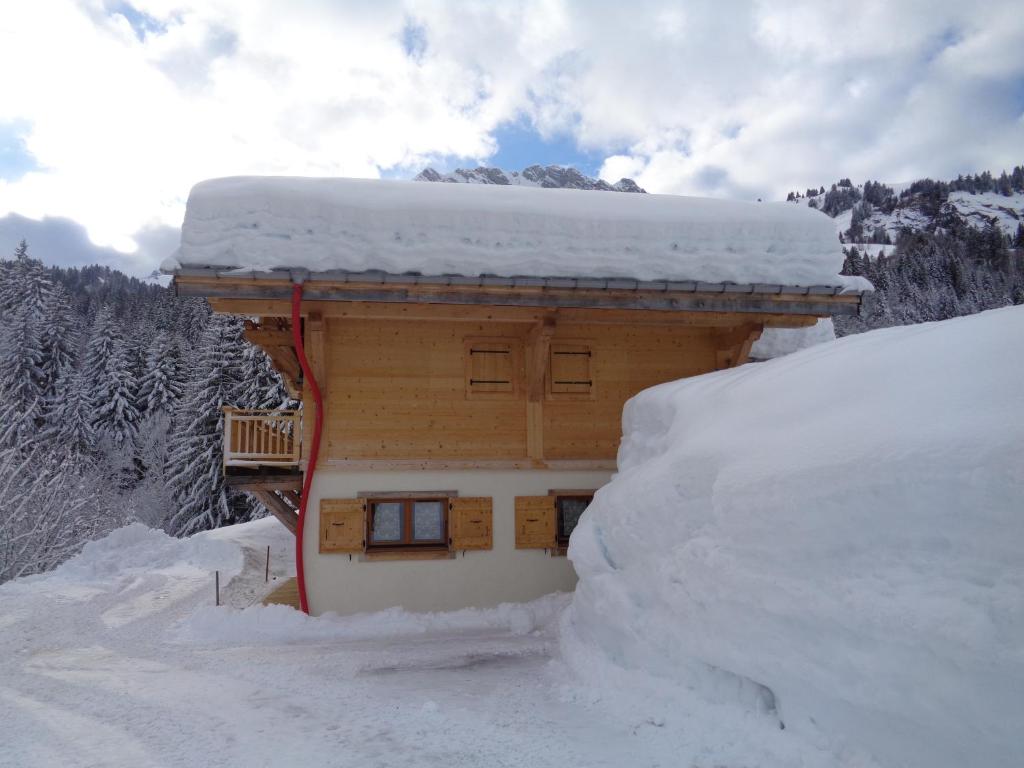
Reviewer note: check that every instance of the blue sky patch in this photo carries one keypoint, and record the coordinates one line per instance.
(141, 23)
(15, 159)
(519, 146)
(414, 40)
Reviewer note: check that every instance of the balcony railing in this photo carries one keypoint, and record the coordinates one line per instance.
(255, 438)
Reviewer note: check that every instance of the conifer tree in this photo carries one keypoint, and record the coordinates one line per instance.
(115, 416)
(59, 339)
(22, 379)
(194, 473)
(71, 432)
(160, 388)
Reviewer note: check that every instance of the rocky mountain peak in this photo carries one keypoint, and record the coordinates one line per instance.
(548, 176)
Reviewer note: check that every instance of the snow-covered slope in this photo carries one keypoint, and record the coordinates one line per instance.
(833, 538)
(549, 176)
(914, 212)
(119, 658)
(507, 230)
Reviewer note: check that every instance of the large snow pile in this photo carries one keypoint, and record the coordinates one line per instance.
(136, 549)
(835, 537)
(472, 229)
(776, 342)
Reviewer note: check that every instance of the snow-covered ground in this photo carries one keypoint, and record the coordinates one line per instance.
(119, 658)
(829, 542)
(834, 538)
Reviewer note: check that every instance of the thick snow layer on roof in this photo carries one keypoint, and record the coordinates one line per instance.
(834, 535)
(254, 223)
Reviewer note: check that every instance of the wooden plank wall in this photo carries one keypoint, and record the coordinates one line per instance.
(396, 389)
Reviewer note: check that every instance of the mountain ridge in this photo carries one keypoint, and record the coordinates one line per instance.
(547, 176)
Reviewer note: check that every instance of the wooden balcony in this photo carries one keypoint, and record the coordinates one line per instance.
(254, 438)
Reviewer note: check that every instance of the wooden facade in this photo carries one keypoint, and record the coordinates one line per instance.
(453, 386)
(400, 390)
(421, 373)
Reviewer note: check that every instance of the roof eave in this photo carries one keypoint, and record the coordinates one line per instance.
(594, 292)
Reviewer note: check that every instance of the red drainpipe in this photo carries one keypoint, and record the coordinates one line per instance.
(314, 450)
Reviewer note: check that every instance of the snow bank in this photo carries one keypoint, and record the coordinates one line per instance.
(468, 229)
(776, 342)
(270, 624)
(136, 548)
(834, 537)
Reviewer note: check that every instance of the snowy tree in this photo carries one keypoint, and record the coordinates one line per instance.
(115, 415)
(202, 498)
(262, 384)
(71, 432)
(102, 339)
(108, 367)
(161, 387)
(51, 509)
(26, 282)
(58, 339)
(22, 379)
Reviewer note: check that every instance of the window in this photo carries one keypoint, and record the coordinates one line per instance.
(408, 523)
(568, 510)
(571, 372)
(491, 367)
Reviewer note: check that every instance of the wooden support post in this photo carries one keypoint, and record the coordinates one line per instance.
(743, 355)
(277, 507)
(538, 349)
(734, 344)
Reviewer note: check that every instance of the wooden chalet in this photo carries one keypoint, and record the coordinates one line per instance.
(467, 419)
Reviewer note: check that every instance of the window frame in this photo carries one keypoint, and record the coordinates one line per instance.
(407, 543)
(562, 541)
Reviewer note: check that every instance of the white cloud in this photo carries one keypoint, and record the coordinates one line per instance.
(736, 99)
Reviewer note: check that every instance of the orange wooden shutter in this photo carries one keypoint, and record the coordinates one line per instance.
(571, 370)
(535, 522)
(342, 525)
(470, 522)
(492, 367)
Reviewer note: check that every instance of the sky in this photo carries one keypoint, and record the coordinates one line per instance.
(110, 110)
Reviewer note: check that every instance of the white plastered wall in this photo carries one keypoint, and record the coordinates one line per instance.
(334, 582)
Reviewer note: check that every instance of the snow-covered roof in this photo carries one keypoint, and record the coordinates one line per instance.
(261, 224)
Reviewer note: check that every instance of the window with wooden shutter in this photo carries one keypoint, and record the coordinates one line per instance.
(571, 370)
(492, 367)
(535, 522)
(407, 523)
(342, 525)
(470, 522)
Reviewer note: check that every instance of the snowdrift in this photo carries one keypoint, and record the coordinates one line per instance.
(835, 538)
(136, 549)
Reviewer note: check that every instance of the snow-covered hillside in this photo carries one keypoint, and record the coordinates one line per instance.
(833, 539)
(879, 212)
